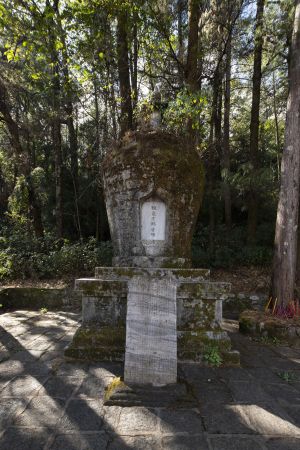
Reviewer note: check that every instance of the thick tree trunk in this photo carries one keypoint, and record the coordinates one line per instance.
(226, 133)
(285, 250)
(254, 123)
(126, 119)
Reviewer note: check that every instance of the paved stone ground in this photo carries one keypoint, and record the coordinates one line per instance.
(46, 403)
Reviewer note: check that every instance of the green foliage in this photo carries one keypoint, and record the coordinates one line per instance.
(266, 340)
(212, 355)
(288, 376)
(43, 310)
(18, 201)
(24, 256)
(187, 106)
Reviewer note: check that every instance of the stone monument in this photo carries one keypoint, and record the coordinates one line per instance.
(151, 307)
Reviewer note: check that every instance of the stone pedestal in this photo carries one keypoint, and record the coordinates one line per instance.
(102, 336)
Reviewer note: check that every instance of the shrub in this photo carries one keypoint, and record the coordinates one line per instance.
(24, 256)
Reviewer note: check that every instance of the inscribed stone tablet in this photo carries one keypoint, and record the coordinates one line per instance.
(153, 220)
(151, 338)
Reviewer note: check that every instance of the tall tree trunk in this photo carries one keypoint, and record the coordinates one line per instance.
(277, 134)
(56, 121)
(68, 92)
(254, 123)
(210, 189)
(69, 110)
(126, 119)
(191, 70)
(285, 250)
(134, 66)
(180, 56)
(226, 142)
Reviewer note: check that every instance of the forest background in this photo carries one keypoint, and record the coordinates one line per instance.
(76, 75)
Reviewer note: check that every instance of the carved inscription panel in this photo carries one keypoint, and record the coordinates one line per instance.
(153, 220)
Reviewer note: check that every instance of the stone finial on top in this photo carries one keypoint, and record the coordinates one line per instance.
(149, 116)
(156, 101)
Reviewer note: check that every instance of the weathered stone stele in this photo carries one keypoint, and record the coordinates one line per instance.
(151, 336)
(151, 298)
(152, 189)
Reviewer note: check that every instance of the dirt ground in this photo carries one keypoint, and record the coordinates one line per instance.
(245, 279)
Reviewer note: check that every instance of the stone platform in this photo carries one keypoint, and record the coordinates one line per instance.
(48, 404)
(104, 305)
(170, 396)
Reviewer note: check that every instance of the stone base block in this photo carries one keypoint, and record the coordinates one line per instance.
(173, 395)
(192, 345)
(104, 306)
(92, 343)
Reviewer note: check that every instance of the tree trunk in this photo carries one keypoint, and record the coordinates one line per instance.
(180, 10)
(226, 142)
(210, 190)
(191, 70)
(134, 66)
(126, 118)
(277, 135)
(285, 249)
(69, 109)
(254, 123)
(56, 122)
(56, 140)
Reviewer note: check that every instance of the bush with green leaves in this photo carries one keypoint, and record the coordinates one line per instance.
(24, 256)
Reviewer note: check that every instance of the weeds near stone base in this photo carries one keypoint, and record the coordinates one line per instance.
(288, 376)
(267, 340)
(43, 310)
(212, 356)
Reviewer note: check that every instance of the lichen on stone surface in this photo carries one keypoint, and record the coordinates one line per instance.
(169, 168)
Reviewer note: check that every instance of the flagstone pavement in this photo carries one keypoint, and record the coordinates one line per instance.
(47, 403)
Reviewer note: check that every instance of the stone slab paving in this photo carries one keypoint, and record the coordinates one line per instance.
(49, 404)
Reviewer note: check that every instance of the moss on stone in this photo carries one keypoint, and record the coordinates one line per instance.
(94, 354)
(100, 336)
(35, 298)
(93, 287)
(196, 341)
(261, 324)
(173, 169)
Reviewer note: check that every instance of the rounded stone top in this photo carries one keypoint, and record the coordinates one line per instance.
(153, 187)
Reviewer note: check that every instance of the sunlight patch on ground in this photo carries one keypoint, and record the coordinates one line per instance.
(261, 420)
